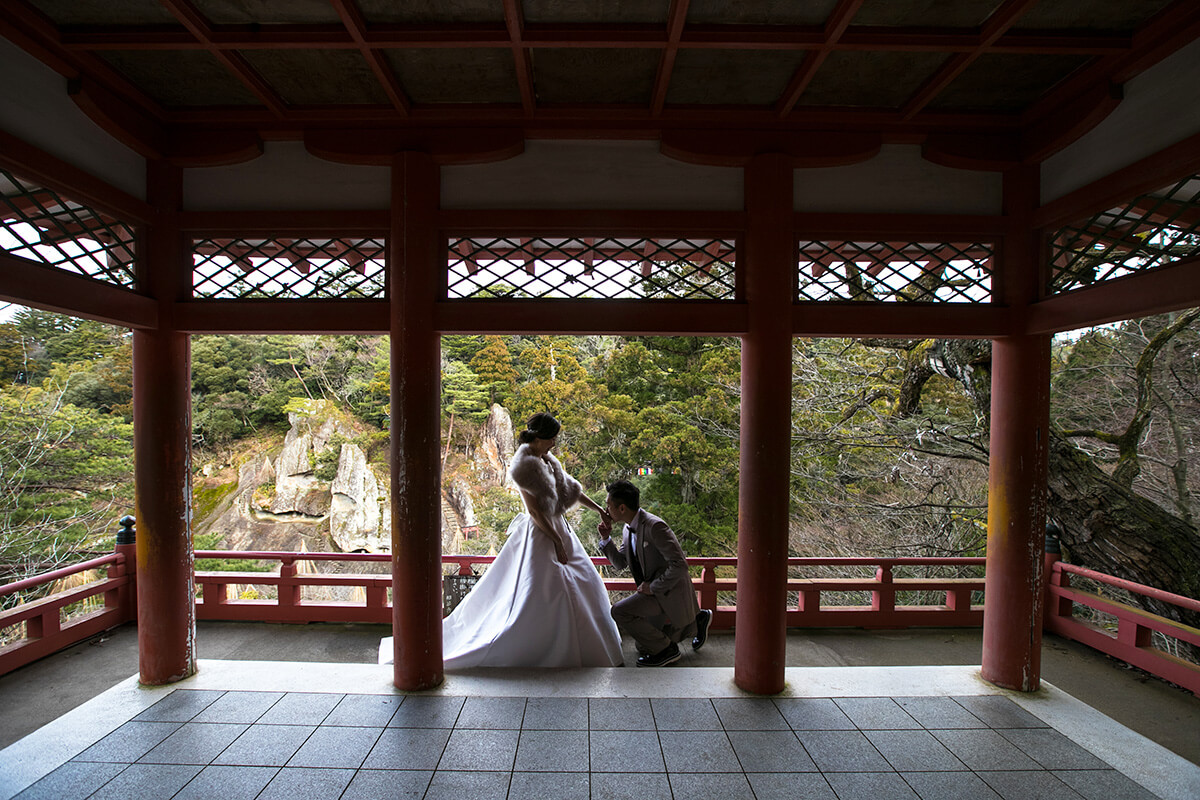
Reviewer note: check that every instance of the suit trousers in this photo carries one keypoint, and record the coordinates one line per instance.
(642, 617)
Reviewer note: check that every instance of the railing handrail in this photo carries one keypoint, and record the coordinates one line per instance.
(63, 572)
(1129, 586)
(718, 561)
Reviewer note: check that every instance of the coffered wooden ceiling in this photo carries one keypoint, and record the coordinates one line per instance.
(985, 82)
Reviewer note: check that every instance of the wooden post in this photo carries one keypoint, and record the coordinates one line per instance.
(760, 645)
(1013, 591)
(414, 260)
(162, 442)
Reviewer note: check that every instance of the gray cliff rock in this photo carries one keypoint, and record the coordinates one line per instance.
(355, 516)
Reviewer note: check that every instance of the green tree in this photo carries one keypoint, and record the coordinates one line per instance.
(493, 363)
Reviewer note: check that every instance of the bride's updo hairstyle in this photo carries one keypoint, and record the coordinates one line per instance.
(540, 426)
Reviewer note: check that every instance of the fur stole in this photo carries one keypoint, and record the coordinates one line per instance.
(545, 479)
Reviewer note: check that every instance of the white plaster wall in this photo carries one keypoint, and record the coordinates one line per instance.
(592, 174)
(1160, 108)
(898, 180)
(288, 177)
(34, 106)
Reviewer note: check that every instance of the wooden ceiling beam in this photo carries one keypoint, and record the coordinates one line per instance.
(996, 25)
(695, 37)
(676, 16)
(514, 22)
(835, 27)
(356, 26)
(197, 25)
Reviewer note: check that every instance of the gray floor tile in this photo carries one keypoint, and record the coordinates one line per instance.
(179, 706)
(129, 742)
(147, 780)
(492, 713)
(408, 748)
(73, 779)
(876, 713)
(813, 714)
(239, 707)
(195, 743)
(706, 786)
(870, 786)
(336, 747)
(749, 714)
(307, 783)
(620, 714)
(949, 786)
(475, 785)
(556, 714)
(227, 783)
(939, 712)
(1027, 785)
(770, 751)
(552, 751)
(626, 751)
(985, 750)
(367, 710)
(1104, 784)
(615, 786)
(999, 712)
(790, 786)
(301, 708)
(549, 786)
(914, 751)
(842, 751)
(1051, 749)
(265, 745)
(484, 751)
(685, 714)
(376, 784)
(698, 751)
(427, 712)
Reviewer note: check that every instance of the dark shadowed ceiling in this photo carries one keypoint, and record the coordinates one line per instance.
(1030, 74)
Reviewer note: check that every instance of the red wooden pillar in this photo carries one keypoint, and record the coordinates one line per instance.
(760, 645)
(414, 260)
(162, 436)
(1013, 592)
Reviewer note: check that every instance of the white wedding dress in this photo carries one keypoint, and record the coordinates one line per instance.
(528, 609)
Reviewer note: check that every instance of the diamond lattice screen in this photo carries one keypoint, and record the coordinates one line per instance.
(591, 268)
(1151, 231)
(283, 269)
(45, 227)
(895, 272)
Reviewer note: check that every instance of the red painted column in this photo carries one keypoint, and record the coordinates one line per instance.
(1013, 591)
(760, 644)
(414, 261)
(162, 436)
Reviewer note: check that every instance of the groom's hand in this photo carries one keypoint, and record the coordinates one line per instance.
(605, 529)
(644, 588)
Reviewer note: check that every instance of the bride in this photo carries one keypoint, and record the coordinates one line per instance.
(541, 603)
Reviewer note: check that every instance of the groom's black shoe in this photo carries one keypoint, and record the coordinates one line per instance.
(660, 659)
(702, 622)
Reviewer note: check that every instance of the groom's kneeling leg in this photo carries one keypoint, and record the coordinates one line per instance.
(633, 615)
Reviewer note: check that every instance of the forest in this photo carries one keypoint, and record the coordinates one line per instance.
(889, 437)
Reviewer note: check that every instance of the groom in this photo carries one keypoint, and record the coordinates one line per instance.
(663, 610)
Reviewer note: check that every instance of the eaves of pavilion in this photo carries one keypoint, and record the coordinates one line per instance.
(764, 136)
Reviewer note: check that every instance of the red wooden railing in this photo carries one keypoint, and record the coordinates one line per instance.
(45, 630)
(948, 601)
(1133, 640)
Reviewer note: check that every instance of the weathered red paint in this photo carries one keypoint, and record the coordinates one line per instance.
(162, 434)
(414, 258)
(1013, 594)
(760, 646)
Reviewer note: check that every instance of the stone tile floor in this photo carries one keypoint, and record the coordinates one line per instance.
(616, 736)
